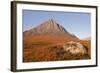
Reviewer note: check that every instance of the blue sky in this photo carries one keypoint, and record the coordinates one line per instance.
(74, 22)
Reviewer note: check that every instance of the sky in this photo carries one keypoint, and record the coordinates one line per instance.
(77, 23)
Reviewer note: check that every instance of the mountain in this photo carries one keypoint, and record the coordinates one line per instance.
(49, 27)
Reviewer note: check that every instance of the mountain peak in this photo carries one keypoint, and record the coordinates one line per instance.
(50, 21)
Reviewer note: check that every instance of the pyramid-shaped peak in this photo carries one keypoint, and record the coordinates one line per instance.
(49, 27)
(49, 23)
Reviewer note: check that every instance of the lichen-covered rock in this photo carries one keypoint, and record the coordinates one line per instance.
(74, 48)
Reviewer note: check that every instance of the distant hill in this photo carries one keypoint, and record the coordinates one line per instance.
(87, 38)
